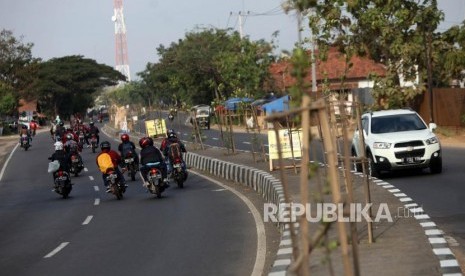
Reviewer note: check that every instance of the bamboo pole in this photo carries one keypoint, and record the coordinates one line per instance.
(366, 182)
(335, 188)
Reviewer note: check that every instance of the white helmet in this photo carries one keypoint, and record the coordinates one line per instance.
(58, 146)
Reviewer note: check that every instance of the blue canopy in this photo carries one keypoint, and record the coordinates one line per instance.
(233, 103)
(278, 105)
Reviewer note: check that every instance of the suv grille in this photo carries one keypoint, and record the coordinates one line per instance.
(417, 143)
(412, 153)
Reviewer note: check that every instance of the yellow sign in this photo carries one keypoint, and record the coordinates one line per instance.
(285, 140)
(155, 127)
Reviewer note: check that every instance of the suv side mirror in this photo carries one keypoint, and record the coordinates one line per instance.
(432, 126)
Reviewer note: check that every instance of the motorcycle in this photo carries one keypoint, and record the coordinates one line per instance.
(115, 185)
(63, 184)
(155, 179)
(177, 173)
(130, 165)
(25, 142)
(93, 142)
(76, 165)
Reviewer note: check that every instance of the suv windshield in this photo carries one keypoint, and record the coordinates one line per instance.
(396, 123)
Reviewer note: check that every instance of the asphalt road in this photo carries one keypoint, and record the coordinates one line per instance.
(442, 196)
(202, 229)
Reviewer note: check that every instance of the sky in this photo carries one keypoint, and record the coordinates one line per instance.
(59, 28)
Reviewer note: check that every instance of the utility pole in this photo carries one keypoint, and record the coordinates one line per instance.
(240, 14)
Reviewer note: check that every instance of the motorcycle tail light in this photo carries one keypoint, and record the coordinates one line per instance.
(73, 157)
(60, 173)
(153, 171)
(177, 160)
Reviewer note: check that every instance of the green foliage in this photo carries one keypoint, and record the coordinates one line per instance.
(395, 33)
(8, 99)
(18, 69)
(67, 85)
(208, 64)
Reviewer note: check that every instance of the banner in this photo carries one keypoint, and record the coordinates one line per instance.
(285, 140)
(155, 127)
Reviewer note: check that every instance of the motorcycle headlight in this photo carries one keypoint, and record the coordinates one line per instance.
(381, 145)
(432, 140)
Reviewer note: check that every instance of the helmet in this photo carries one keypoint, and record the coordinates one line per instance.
(58, 145)
(61, 123)
(144, 142)
(91, 123)
(69, 136)
(105, 145)
(170, 131)
(124, 137)
(172, 135)
(151, 141)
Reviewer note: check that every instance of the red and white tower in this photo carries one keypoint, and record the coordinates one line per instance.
(121, 46)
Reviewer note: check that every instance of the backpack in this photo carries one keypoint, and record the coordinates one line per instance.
(174, 151)
(104, 162)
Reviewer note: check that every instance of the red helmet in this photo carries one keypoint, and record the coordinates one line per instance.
(144, 142)
(124, 137)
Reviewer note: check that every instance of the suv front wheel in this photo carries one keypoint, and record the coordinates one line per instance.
(435, 166)
(373, 171)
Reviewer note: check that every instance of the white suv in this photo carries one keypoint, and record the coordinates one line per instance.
(397, 139)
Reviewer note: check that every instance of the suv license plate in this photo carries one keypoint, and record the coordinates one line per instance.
(411, 160)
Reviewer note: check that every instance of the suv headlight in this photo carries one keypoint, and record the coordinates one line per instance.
(381, 145)
(432, 140)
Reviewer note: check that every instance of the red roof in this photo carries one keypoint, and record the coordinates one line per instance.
(27, 106)
(331, 70)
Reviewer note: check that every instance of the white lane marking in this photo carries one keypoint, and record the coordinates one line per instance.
(6, 162)
(247, 143)
(214, 138)
(261, 238)
(218, 190)
(442, 251)
(97, 201)
(56, 250)
(96, 188)
(91, 177)
(87, 220)
(86, 170)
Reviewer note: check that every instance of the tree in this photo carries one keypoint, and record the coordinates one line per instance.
(68, 84)
(209, 64)
(398, 34)
(450, 56)
(18, 71)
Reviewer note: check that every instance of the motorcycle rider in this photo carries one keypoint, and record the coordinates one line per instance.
(165, 141)
(126, 146)
(72, 147)
(69, 134)
(63, 158)
(58, 131)
(33, 125)
(170, 152)
(150, 154)
(25, 131)
(105, 146)
(93, 130)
